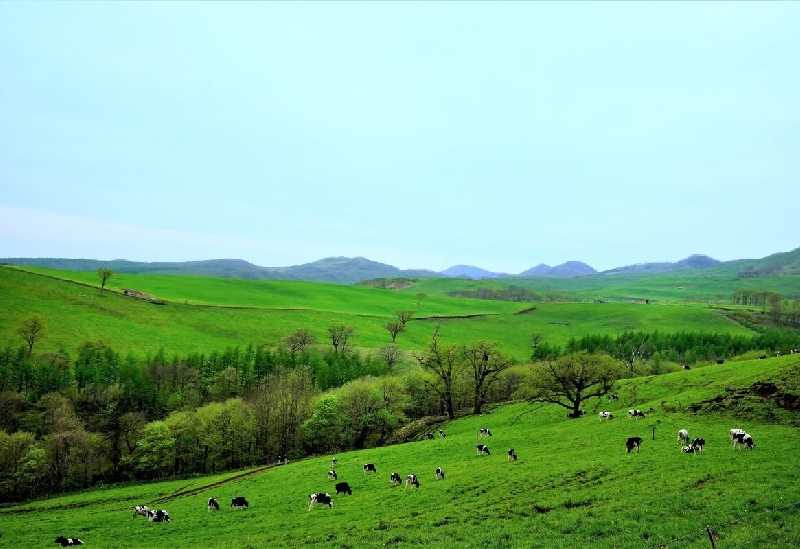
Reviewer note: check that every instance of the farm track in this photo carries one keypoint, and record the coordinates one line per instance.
(197, 490)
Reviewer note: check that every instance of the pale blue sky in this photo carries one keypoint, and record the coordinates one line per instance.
(419, 134)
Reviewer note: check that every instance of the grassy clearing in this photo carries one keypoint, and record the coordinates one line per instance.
(207, 314)
(573, 485)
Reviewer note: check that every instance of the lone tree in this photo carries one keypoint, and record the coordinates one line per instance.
(394, 328)
(571, 379)
(485, 363)
(104, 273)
(340, 335)
(32, 329)
(299, 341)
(420, 296)
(404, 315)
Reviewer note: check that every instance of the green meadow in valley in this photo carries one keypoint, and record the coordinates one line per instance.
(573, 484)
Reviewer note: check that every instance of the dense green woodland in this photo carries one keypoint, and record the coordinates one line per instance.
(74, 417)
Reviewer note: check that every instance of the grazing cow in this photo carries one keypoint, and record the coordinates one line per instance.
(689, 449)
(428, 436)
(343, 488)
(762, 357)
(213, 505)
(633, 442)
(439, 473)
(332, 475)
(334, 462)
(777, 353)
(66, 542)
(441, 433)
(683, 436)
(370, 468)
(483, 433)
(158, 516)
(720, 361)
(734, 432)
(282, 460)
(686, 367)
(744, 439)
(412, 480)
(239, 503)
(699, 444)
(142, 510)
(581, 413)
(606, 415)
(635, 414)
(483, 449)
(795, 351)
(512, 455)
(613, 396)
(322, 498)
(395, 479)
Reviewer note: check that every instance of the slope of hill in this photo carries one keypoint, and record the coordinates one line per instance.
(573, 484)
(569, 269)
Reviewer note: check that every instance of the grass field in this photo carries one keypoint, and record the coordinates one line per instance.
(207, 314)
(573, 485)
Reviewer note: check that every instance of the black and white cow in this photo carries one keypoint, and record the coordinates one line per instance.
(743, 439)
(158, 516)
(762, 357)
(690, 449)
(633, 442)
(512, 455)
(141, 510)
(412, 480)
(428, 436)
(213, 505)
(66, 542)
(282, 460)
(699, 444)
(395, 479)
(441, 433)
(321, 498)
(606, 415)
(332, 475)
(613, 396)
(687, 367)
(370, 468)
(439, 473)
(334, 462)
(483, 449)
(483, 433)
(795, 351)
(634, 414)
(683, 436)
(239, 503)
(343, 488)
(734, 432)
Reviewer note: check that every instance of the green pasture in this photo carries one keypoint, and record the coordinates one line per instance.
(572, 486)
(207, 314)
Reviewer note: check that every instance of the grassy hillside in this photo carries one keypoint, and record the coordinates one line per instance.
(205, 314)
(573, 485)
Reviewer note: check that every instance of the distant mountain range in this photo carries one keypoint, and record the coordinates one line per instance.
(351, 270)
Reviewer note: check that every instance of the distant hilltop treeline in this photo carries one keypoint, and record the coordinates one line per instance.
(352, 270)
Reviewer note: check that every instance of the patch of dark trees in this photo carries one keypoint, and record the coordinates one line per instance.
(508, 293)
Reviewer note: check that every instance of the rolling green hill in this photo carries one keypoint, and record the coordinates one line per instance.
(572, 486)
(201, 314)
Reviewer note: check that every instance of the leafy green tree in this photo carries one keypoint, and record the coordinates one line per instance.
(404, 315)
(155, 450)
(485, 362)
(104, 273)
(571, 379)
(446, 364)
(340, 337)
(298, 342)
(32, 472)
(32, 329)
(394, 328)
(419, 296)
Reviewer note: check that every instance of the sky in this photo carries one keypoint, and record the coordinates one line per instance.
(419, 134)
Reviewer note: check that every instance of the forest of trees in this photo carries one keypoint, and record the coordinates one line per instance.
(69, 421)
